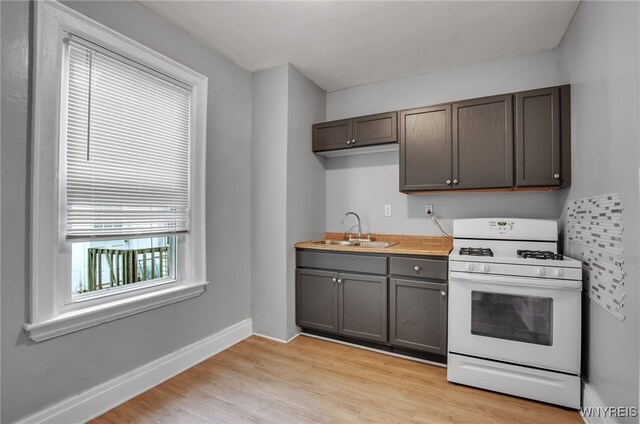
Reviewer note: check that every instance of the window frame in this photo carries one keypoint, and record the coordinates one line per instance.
(51, 313)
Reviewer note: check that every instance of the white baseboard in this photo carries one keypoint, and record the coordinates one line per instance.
(294, 337)
(100, 399)
(590, 399)
(275, 339)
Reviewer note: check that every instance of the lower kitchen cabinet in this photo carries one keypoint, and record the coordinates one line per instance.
(418, 315)
(317, 300)
(394, 303)
(348, 304)
(363, 306)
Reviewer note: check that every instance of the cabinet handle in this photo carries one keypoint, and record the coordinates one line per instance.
(335, 279)
(353, 141)
(443, 293)
(556, 176)
(339, 280)
(417, 268)
(348, 142)
(448, 182)
(455, 181)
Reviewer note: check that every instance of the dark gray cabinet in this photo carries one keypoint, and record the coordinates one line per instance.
(332, 135)
(335, 293)
(352, 133)
(317, 300)
(418, 315)
(538, 150)
(363, 306)
(482, 139)
(460, 146)
(425, 149)
(381, 128)
(398, 302)
(507, 142)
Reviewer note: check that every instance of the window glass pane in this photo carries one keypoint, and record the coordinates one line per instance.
(107, 265)
(520, 318)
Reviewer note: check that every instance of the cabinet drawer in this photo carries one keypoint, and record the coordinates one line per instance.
(419, 267)
(342, 262)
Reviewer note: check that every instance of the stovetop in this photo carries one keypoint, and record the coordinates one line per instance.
(512, 252)
(475, 251)
(540, 254)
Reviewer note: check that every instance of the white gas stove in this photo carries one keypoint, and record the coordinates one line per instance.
(514, 310)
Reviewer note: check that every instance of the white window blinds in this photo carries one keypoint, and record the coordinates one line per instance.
(127, 147)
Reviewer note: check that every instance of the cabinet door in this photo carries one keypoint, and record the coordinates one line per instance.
(425, 149)
(363, 306)
(375, 129)
(538, 137)
(418, 311)
(483, 143)
(317, 300)
(332, 135)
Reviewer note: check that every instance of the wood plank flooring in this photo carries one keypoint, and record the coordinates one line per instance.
(316, 381)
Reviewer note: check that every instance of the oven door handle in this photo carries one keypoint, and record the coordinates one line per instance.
(516, 281)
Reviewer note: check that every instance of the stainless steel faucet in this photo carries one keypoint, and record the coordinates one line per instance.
(359, 226)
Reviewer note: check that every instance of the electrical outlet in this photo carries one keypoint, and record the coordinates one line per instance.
(428, 210)
(387, 210)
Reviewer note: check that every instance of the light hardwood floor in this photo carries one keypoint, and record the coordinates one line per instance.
(311, 380)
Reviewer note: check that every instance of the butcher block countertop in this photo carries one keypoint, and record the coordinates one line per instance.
(406, 244)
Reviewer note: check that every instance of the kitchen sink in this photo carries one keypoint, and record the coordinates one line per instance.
(333, 242)
(372, 244)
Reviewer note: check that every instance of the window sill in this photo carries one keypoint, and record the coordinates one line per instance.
(88, 317)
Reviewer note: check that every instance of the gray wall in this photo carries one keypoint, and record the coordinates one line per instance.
(288, 190)
(35, 375)
(268, 204)
(305, 176)
(599, 56)
(365, 183)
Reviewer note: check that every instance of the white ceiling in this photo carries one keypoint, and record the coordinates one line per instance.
(344, 44)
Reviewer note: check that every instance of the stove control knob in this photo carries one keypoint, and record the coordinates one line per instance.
(469, 266)
(558, 273)
(484, 268)
(540, 272)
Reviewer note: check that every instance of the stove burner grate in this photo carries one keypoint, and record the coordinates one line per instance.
(540, 254)
(475, 251)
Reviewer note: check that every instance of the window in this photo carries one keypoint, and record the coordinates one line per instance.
(125, 144)
(120, 227)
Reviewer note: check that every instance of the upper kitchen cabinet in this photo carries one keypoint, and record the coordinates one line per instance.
(335, 137)
(375, 129)
(466, 145)
(482, 143)
(540, 123)
(507, 142)
(332, 135)
(425, 149)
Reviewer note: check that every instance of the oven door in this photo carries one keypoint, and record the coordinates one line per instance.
(529, 321)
